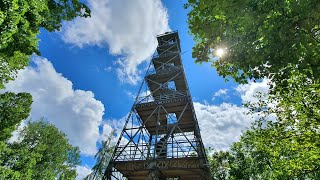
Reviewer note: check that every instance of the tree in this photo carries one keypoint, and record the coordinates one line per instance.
(287, 132)
(13, 109)
(279, 40)
(20, 22)
(103, 157)
(239, 163)
(260, 37)
(41, 152)
(219, 165)
(284, 143)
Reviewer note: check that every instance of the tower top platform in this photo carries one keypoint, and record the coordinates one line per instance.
(169, 38)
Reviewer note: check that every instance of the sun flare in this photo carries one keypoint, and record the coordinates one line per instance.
(220, 52)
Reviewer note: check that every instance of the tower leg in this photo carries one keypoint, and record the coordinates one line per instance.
(155, 175)
(108, 172)
(154, 172)
(152, 176)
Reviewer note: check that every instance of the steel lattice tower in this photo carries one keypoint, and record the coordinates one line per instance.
(161, 137)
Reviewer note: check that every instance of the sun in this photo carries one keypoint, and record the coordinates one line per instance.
(220, 52)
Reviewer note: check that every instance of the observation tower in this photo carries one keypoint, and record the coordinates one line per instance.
(161, 137)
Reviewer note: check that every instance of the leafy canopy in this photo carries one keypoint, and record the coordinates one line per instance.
(20, 23)
(278, 39)
(291, 140)
(13, 109)
(238, 163)
(284, 143)
(41, 152)
(260, 37)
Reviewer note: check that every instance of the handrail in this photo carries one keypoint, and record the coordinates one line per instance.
(166, 70)
(164, 96)
(171, 53)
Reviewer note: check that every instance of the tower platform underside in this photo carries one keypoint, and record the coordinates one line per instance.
(183, 168)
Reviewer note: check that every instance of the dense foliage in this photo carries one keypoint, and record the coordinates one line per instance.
(260, 37)
(271, 39)
(284, 143)
(287, 133)
(41, 152)
(20, 23)
(239, 163)
(13, 109)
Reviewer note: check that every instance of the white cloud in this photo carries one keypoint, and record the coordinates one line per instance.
(249, 91)
(130, 95)
(75, 112)
(221, 125)
(128, 28)
(255, 92)
(116, 125)
(82, 172)
(107, 129)
(108, 69)
(220, 93)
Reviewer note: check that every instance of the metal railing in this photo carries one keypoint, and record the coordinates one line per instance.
(165, 96)
(167, 54)
(167, 69)
(177, 146)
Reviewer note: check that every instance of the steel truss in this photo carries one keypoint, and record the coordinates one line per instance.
(161, 137)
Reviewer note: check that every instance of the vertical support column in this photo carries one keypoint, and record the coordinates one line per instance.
(154, 172)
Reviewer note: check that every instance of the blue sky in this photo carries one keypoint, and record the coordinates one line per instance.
(86, 67)
(86, 78)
